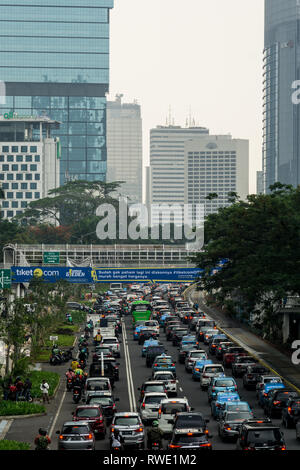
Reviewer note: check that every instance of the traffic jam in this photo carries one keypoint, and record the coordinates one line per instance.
(155, 372)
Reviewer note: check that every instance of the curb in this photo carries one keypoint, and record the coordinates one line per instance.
(261, 361)
(23, 416)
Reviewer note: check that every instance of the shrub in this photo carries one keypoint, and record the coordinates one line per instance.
(14, 445)
(12, 408)
(36, 378)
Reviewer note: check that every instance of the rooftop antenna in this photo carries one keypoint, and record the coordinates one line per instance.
(170, 115)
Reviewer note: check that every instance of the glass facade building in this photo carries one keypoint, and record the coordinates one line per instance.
(54, 60)
(281, 119)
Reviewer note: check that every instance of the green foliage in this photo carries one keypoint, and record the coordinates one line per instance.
(36, 378)
(12, 408)
(14, 445)
(260, 239)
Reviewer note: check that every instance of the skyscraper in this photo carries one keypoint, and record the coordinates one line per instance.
(125, 147)
(166, 174)
(54, 60)
(281, 120)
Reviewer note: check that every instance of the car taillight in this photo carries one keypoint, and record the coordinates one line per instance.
(155, 365)
(143, 406)
(206, 445)
(228, 428)
(61, 437)
(173, 446)
(88, 437)
(276, 402)
(172, 365)
(139, 429)
(289, 409)
(283, 448)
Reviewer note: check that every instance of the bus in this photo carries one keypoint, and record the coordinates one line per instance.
(141, 310)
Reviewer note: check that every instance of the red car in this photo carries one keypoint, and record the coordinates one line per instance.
(231, 353)
(93, 414)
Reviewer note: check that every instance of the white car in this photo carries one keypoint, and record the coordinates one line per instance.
(192, 357)
(150, 406)
(167, 411)
(169, 380)
(113, 343)
(94, 385)
(209, 371)
(153, 325)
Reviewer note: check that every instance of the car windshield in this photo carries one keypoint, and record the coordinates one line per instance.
(258, 370)
(285, 395)
(245, 359)
(152, 351)
(264, 436)
(188, 347)
(213, 370)
(154, 388)
(239, 415)
(75, 430)
(272, 380)
(154, 400)
(164, 360)
(172, 408)
(190, 422)
(110, 340)
(237, 408)
(105, 401)
(185, 439)
(126, 421)
(93, 386)
(87, 412)
(198, 355)
(224, 383)
(164, 377)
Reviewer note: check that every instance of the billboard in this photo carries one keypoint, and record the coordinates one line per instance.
(104, 275)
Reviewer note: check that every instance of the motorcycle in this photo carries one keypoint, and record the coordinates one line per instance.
(55, 359)
(76, 393)
(82, 364)
(69, 384)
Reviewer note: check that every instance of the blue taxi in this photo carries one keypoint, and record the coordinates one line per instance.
(263, 393)
(198, 367)
(147, 343)
(220, 384)
(163, 362)
(218, 404)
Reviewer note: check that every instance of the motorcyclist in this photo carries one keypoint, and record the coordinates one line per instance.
(74, 365)
(154, 434)
(82, 356)
(117, 440)
(42, 440)
(70, 374)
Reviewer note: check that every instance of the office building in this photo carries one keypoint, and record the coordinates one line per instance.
(54, 60)
(259, 182)
(166, 174)
(29, 162)
(281, 118)
(215, 164)
(125, 148)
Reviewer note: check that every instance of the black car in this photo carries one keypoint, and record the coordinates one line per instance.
(170, 329)
(277, 400)
(252, 376)
(177, 335)
(147, 334)
(230, 423)
(221, 348)
(107, 403)
(183, 350)
(152, 352)
(103, 369)
(260, 434)
(291, 412)
(190, 438)
(240, 365)
(186, 419)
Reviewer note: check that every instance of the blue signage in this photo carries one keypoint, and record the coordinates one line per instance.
(104, 275)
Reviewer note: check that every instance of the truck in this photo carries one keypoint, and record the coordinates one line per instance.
(141, 310)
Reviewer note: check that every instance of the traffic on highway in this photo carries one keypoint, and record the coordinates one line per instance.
(154, 372)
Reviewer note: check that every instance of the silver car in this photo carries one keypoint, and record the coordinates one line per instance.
(76, 436)
(130, 427)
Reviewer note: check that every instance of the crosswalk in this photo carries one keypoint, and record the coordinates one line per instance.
(4, 427)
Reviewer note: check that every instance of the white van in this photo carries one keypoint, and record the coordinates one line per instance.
(209, 371)
(167, 411)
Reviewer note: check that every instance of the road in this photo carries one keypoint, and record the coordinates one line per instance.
(133, 372)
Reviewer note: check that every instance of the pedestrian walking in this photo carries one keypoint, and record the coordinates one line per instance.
(45, 391)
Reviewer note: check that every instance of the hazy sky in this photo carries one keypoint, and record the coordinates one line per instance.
(200, 54)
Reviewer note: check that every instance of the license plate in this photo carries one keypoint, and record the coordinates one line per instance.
(126, 433)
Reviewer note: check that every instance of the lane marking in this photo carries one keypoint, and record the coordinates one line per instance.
(4, 428)
(130, 386)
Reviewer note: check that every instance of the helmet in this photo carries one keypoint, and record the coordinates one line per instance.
(155, 423)
(70, 370)
(42, 432)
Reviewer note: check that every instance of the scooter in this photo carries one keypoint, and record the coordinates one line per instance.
(76, 393)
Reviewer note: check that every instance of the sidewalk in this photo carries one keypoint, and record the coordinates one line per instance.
(266, 353)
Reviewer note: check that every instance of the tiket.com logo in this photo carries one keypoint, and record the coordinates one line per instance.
(38, 272)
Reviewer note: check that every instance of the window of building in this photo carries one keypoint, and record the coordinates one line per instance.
(24, 167)
(37, 158)
(19, 177)
(24, 186)
(5, 149)
(28, 158)
(5, 204)
(9, 195)
(19, 195)
(23, 204)
(14, 204)
(14, 186)
(28, 177)
(10, 158)
(33, 167)
(5, 167)
(37, 195)
(33, 149)
(10, 213)
(24, 149)
(37, 177)
(10, 177)
(19, 158)
(33, 186)
(15, 149)
(28, 195)
(15, 168)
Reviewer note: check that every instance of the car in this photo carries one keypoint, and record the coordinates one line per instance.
(167, 411)
(153, 324)
(94, 415)
(235, 406)
(96, 384)
(221, 348)
(194, 320)
(267, 390)
(106, 401)
(177, 334)
(210, 333)
(150, 406)
(192, 356)
(146, 334)
(137, 328)
(252, 375)
(103, 369)
(152, 386)
(200, 335)
(276, 401)
(204, 322)
(220, 384)
(230, 424)
(291, 413)
(164, 362)
(113, 343)
(209, 371)
(153, 352)
(191, 419)
(266, 379)
(190, 438)
(183, 351)
(76, 436)
(218, 404)
(231, 353)
(147, 343)
(198, 366)
(239, 366)
(130, 427)
(213, 343)
(260, 434)
(173, 323)
(169, 380)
